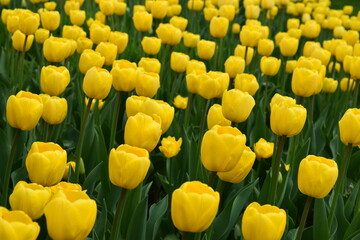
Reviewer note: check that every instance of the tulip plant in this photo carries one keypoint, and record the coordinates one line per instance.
(179, 119)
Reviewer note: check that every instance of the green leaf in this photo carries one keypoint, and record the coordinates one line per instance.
(157, 211)
(350, 203)
(353, 229)
(101, 222)
(321, 229)
(137, 225)
(92, 178)
(226, 220)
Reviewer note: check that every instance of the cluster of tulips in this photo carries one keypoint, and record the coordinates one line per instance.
(169, 119)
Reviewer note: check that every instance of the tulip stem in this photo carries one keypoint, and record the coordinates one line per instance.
(8, 169)
(173, 87)
(81, 140)
(212, 178)
(202, 126)
(115, 119)
(188, 110)
(266, 93)
(340, 182)
(356, 93)
(115, 229)
(275, 169)
(21, 64)
(304, 215)
(49, 132)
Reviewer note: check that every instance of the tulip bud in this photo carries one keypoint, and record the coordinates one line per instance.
(213, 84)
(142, 21)
(169, 34)
(195, 65)
(88, 59)
(150, 65)
(293, 23)
(306, 82)
(179, 61)
(147, 136)
(50, 20)
(234, 65)
(17, 225)
(263, 149)
(45, 163)
(286, 117)
(209, 13)
(57, 49)
(55, 110)
(77, 17)
(123, 79)
(271, 219)
(206, 49)
(50, 6)
(170, 147)
(71, 5)
(180, 102)
(349, 126)
(289, 46)
(128, 166)
(311, 29)
(219, 27)
(151, 45)
(83, 43)
(215, 117)
(29, 22)
(195, 5)
(252, 12)
(36, 198)
(246, 83)
(147, 83)
(71, 164)
(179, 22)
(41, 35)
(237, 105)
(330, 85)
(99, 33)
(120, 40)
(240, 51)
(270, 65)
(23, 110)
(265, 47)
(159, 9)
(250, 36)
(194, 206)
(317, 176)
(97, 83)
(66, 217)
(107, 7)
(107, 50)
(18, 41)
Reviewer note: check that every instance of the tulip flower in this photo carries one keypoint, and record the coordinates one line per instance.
(41, 35)
(18, 41)
(97, 83)
(306, 82)
(179, 22)
(246, 83)
(265, 47)
(270, 65)
(219, 27)
(107, 50)
(89, 58)
(83, 43)
(169, 34)
(123, 79)
(234, 65)
(195, 66)
(50, 20)
(263, 149)
(147, 83)
(180, 102)
(237, 105)
(77, 17)
(151, 45)
(215, 117)
(150, 65)
(213, 84)
(55, 110)
(179, 61)
(142, 21)
(120, 40)
(57, 49)
(54, 80)
(170, 147)
(206, 49)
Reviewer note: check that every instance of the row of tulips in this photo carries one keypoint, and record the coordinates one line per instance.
(112, 76)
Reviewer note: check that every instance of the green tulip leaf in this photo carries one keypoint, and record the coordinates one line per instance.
(156, 213)
(321, 229)
(137, 226)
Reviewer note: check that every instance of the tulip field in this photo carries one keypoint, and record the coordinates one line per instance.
(179, 119)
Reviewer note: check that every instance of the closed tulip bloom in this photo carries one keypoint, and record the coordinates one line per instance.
(190, 39)
(221, 148)
(142, 21)
(351, 37)
(151, 45)
(71, 164)
(143, 131)
(270, 65)
(41, 35)
(83, 43)
(267, 4)
(97, 83)
(293, 23)
(107, 50)
(18, 41)
(159, 9)
(289, 46)
(17, 225)
(206, 49)
(73, 32)
(88, 59)
(180, 102)
(330, 85)
(287, 118)
(179, 61)
(264, 149)
(195, 5)
(50, 6)
(193, 81)
(29, 22)
(250, 36)
(195, 65)
(99, 33)
(57, 49)
(241, 169)
(128, 166)
(339, 31)
(36, 198)
(227, 11)
(252, 12)
(354, 67)
(271, 219)
(174, 10)
(120, 40)
(265, 47)
(147, 83)
(317, 176)
(71, 5)
(240, 51)
(136, 104)
(321, 54)
(309, 63)
(311, 29)
(100, 17)
(55, 110)
(12, 23)
(77, 17)
(235, 29)
(348, 9)
(290, 66)
(215, 117)
(219, 27)
(237, 105)
(70, 215)
(50, 20)
(123, 79)
(179, 22)
(213, 84)
(209, 13)
(23, 110)
(246, 83)
(349, 126)
(107, 7)
(170, 147)
(150, 65)
(194, 206)
(169, 34)
(347, 84)
(342, 51)
(306, 82)
(234, 65)
(45, 163)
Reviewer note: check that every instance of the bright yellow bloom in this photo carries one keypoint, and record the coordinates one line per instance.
(123, 79)
(213, 84)
(330, 85)
(50, 20)
(179, 22)
(88, 59)
(120, 40)
(41, 35)
(77, 17)
(270, 65)
(99, 33)
(55, 110)
(190, 39)
(264, 149)
(147, 83)
(289, 46)
(246, 83)
(151, 45)
(306, 82)
(349, 126)
(206, 49)
(159, 9)
(169, 34)
(265, 47)
(170, 147)
(195, 65)
(108, 50)
(179, 61)
(250, 36)
(97, 83)
(215, 117)
(150, 65)
(219, 27)
(237, 105)
(180, 102)
(142, 21)
(57, 49)
(18, 41)
(83, 43)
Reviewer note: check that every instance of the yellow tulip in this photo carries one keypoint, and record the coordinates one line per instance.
(57, 49)
(194, 206)
(221, 148)
(250, 36)
(73, 32)
(123, 79)
(290, 66)
(77, 17)
(293, 23)
(83, 43)
(289, 46)
(99, 33)
(252, 12)
(159, 9)
(209, 13)
(71, 164)
(322, 54)
(195, 65)
(264, 149)
(213, 84)
(120, 40)
(342, 51)
(265, 47)
(128, 166)
(190, 39)
(215, 117)
(45, 163)
(17, 225)
(23, 110)
(169, 34)
(88, 59)
(309, 63)
(50, 20)
(179, 61)
(41, 35)
(151, 45)
(150, 65)
(120, 8)
(142, 21)
(170, 147)
(354, 67)
(240, 51)
(180, 102)
(50, 6)
(193, 81)
(270, 65)
(237, 105)
(18, 41)
(219, 27)
(36, 197)
(246, 83)
(70, 215)
(65, 186)
(330, 85)
(71, 5)
(29, 22)
(311, 29)
(347, 84)
(349, 126)
(317, 176)
(206, 49)
(227, 11)
(179, 22)
(108, 50)
(267, 4)
(143, 131)
(234, 65)
(107, 7)
(55, 110)
(97, 83)
(305, 82)
(147, 83)
(195, 5)
(235, 28)
(271, 219)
